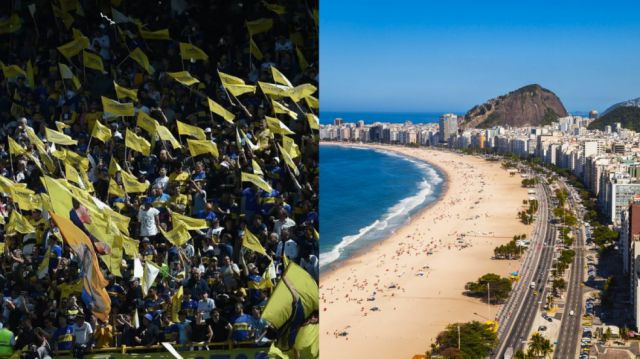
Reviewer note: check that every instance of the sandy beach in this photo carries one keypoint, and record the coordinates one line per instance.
(393, 299)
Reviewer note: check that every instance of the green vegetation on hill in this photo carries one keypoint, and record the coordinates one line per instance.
(629, 117)
(549, 116)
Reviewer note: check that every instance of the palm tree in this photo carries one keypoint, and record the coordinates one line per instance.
(539, 346)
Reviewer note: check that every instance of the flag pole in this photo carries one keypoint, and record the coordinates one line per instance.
(89, 144)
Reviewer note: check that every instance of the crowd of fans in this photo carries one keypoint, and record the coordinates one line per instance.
(223, 282)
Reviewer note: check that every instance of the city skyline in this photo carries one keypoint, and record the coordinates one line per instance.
(453, 59)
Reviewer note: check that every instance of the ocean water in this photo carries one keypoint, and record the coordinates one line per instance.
(327, 117)
(366, 195)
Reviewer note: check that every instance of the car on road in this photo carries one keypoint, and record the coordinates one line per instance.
(542, 328)
(571, 313)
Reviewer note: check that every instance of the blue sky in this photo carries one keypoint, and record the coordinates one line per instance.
(423, 56)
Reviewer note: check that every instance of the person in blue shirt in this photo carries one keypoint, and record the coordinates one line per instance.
(183, 328)
(56, 253)
(199, 174)
(241, 323)
(64, 335)
(189, 306)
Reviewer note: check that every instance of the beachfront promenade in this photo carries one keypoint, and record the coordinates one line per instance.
(519, 312)
(570, 327)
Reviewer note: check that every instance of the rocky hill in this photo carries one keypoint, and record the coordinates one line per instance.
(629, 103)
(628, 116)
(531, 105)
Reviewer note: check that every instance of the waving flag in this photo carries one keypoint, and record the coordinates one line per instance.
(94, 283)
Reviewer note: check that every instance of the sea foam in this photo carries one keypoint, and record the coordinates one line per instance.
(393, 217)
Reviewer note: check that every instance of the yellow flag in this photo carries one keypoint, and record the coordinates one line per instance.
(259, 26)
(68, 289)
(114, 167)
(17, 223)
(280, 108)
(313, 120)
(278, 9)
(219, 110)
(13, 71)
(256, 168)
(279, 77)
(92, 61)
(76, 33)
(147, 123)
(237, 90)
(59, 137)
(72, 175)
(235, 85)
(250, 241)
(15, 148)
(277, 127)
(113, 261)
(198, 147)
(155, 35)
(189, 222)
(137, 143)
(67, 19)
(255, 50)
(178, 236)
(123, 92)
(115, 190)
(184, 77)
(142, 60)
(25, 198)
(302, 62)
(101, 132)
(130, 246)
(190, 130)
(279, 309)
(74, 47)
(166, 135)
(227, 79)
(274, 89)
(30, 76)
(176, 304)
(10, 25)
(312, 102)
(66, 74)
(256, 180)
(288, 160)
(132, 184)
(291, 147)
(117, 108)
(61, 126)
(190, 51)
(302, 91)
(77, 160)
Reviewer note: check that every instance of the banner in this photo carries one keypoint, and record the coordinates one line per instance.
(190, 51)
(142, 60)
(197, 147)
(190, 130)
(117, 108)
(123, 92)
(184, 77)
(219, 110)
(92, 61)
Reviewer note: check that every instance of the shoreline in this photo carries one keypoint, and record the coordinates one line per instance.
(329, 268)
(396, 295)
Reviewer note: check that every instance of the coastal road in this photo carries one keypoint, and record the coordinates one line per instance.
(519, 312)
(570, 332)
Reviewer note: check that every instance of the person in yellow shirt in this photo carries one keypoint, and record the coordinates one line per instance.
(178, 201)
(103, 335)
(40, 224)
